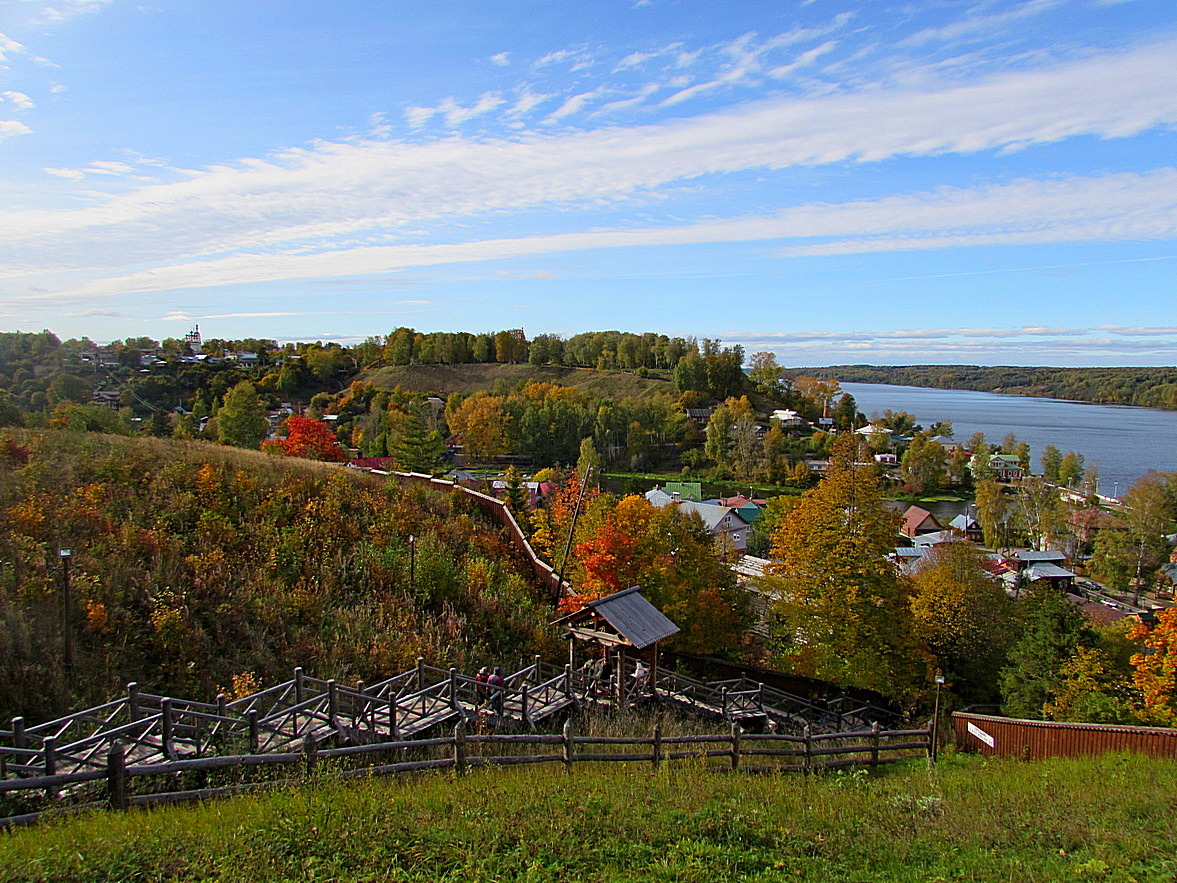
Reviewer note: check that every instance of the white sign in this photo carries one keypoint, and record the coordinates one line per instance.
(980, 734)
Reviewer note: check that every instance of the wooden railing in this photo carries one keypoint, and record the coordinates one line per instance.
(460, 751)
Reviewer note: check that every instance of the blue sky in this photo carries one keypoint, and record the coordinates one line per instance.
(914, 182)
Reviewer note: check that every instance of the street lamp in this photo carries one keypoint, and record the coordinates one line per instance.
(67, 614)
(412, 561)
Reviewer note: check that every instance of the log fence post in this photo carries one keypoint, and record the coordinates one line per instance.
(332, 701)
(254, 734)
(735, 746)
(874, 746)
(363, 708)
(657, 747)
(133, 701)
(420, 673)
(807, 733)
(536, 670)
(454, 688)
(116, 777)
(166, 726)
(568, 746)
(523, 704)
(299, 687)
(460, 747)
(19, 739)
(49, 755)
(311, 751)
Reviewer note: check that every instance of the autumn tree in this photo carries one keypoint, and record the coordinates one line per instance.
(670, 555)
(482, 423)
(241, 420)
(961, 613)
(843, 611)
(924, 464)
(309, 439)
(1156, 668)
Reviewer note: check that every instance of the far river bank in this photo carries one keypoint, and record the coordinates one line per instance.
(1125, 442)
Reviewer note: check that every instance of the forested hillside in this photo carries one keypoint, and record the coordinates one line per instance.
(197, 568)
(1144, 387)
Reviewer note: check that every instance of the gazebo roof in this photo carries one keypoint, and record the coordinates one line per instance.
(621, 618)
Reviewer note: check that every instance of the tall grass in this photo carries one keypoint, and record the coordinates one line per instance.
(969, 819)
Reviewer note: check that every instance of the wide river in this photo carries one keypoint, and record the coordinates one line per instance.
(1125, 442)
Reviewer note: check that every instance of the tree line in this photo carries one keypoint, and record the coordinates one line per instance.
(1143, 387)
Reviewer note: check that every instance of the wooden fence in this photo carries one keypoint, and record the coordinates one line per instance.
(111, 786)
(1036, 740)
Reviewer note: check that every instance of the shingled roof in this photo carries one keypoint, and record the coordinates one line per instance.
(630, 619)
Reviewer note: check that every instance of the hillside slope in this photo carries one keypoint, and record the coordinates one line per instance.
(447, 379)
(196, 565)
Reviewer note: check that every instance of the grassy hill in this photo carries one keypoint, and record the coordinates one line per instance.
(1108, 819)
(446, 379)
(196, 566)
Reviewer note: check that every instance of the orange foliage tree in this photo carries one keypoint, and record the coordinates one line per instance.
(672, 558)
(309, 439)
(1156, 668)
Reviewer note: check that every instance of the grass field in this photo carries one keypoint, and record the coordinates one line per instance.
(1111, 818)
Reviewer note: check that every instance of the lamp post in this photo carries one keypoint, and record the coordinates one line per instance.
(67, 615)
(412, 561)
(936, 719)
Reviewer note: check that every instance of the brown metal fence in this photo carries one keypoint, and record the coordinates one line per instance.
(1036, 740)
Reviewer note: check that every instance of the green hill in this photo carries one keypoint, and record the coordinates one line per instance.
(447, 379)
(1107, 819)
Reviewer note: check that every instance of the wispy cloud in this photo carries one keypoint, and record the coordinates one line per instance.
(337, 208)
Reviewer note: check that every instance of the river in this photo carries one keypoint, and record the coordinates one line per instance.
(1125, 442)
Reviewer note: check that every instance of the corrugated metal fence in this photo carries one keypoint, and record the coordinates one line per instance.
(1036, 740)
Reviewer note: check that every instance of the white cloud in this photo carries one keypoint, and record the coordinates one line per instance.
(73, 174)
(9, 47)
(312, 211)
(573, 105)
(502, 59)
(18, 99)
(9, 128)
(982, 25)
(419, 116)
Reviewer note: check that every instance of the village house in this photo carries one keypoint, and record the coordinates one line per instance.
(917, 520)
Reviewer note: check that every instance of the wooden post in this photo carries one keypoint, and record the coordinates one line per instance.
(166, 729)
(657, 753)
(460, 747)
(116, 777)
(619, 677)
(808, 734)
(654, 670)
(19, 739)
(568, 746)
(735, 746)
(760, 698)
(723, 702)
(454, 687)
(222, 705)
(298, 686)
(49, 753)
(332, 702)
(874, 745)
(420, 673)
(568, 681)
(133, 701)
(254, 735)
(311, 750)
(538, 676)
(393, 728)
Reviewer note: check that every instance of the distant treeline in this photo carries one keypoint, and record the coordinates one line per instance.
(1144, 387)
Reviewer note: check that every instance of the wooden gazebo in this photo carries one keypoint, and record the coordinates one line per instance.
(622, 620)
